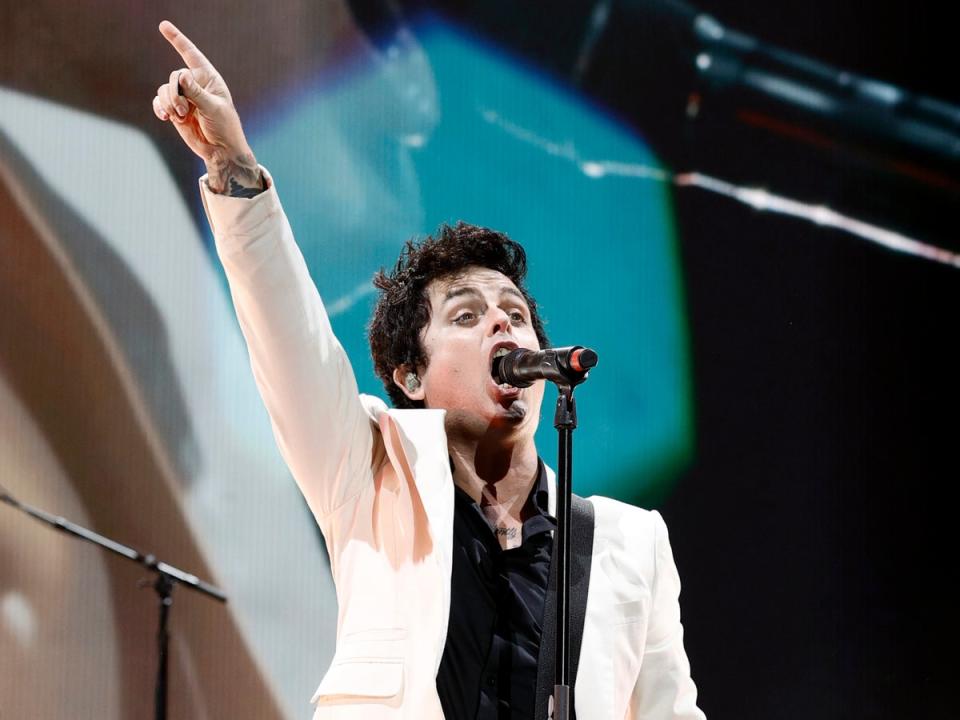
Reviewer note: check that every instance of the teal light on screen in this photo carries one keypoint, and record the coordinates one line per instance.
(443, 128)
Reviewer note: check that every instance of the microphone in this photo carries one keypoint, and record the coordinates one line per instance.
(564, 366)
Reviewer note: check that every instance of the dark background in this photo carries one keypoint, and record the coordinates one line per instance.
(813, 531)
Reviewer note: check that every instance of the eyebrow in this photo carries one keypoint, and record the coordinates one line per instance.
(454, 293)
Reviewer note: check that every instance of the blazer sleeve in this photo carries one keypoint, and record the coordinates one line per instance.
(301, 370)
(664, 688)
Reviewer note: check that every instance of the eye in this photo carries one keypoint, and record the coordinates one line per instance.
(517, 317)
(465, 318)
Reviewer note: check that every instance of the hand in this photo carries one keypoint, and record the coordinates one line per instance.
(206, 119)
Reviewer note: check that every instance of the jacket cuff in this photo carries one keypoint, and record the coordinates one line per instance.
(233, 217)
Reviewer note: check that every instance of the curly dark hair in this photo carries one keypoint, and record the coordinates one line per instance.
(403, 308)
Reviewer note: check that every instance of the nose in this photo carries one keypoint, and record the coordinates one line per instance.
(499, 321)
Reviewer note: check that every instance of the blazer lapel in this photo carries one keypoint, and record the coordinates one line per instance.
(416, 444)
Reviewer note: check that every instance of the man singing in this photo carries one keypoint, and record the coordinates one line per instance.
(438, 514)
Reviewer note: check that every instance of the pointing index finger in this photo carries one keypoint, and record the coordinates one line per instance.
(192, 57)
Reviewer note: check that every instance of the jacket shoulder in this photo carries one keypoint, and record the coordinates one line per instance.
(373, 406)
(616, 520)
(629, 535)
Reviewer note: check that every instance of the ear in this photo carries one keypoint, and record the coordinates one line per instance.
(415, 391)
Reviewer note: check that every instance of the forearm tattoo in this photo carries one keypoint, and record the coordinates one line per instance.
(236, 176)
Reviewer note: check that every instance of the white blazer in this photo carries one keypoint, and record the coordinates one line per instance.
(378, 482)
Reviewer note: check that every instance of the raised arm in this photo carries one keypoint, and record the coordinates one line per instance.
(302, 372)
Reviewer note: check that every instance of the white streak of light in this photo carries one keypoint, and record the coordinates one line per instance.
(819, 214)
(756, 198)
(345, 302)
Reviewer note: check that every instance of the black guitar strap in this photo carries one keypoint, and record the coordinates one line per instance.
(581, 552)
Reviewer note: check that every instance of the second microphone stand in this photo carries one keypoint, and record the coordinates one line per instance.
(168, 577)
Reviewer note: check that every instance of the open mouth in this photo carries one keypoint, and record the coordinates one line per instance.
(501, 349)
(504, 393)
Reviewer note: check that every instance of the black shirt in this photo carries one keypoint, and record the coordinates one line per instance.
(489, 665)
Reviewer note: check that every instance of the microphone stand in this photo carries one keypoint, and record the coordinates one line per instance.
(168, 577)
(565, 421)
(567, 367)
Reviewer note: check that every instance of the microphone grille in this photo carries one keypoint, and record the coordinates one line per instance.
(584, 359)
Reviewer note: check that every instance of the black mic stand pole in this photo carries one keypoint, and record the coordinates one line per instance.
(565, 421)
(167, 577)
(572, 373)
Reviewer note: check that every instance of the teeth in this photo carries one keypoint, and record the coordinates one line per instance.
(501, 352)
